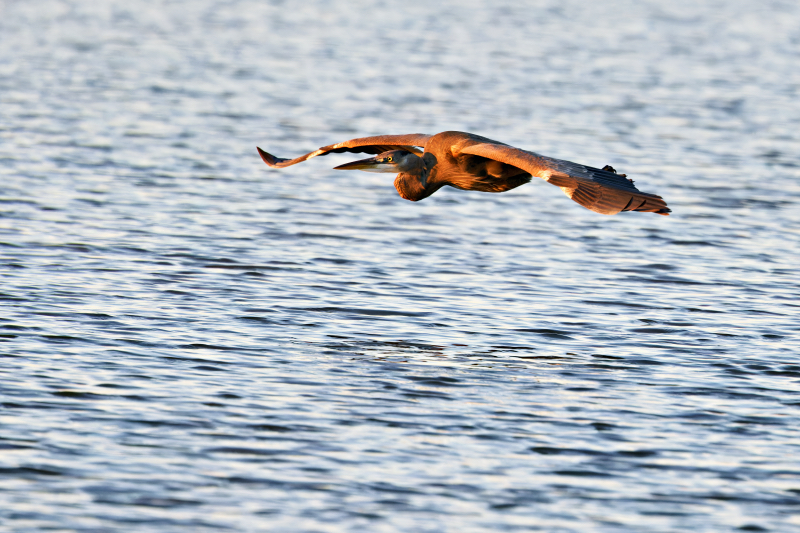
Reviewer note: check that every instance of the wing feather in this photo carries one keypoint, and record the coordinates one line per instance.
(595, 189)
(369, 145)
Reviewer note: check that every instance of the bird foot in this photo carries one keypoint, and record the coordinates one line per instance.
(609, 168)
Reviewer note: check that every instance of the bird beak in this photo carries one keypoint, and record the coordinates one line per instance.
(368, 165)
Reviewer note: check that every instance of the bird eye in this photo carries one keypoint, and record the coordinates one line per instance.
(389, 159)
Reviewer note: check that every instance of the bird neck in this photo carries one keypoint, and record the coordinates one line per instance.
(415, 183)
(410, 186)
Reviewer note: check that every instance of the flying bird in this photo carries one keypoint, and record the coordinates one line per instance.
(426, 163)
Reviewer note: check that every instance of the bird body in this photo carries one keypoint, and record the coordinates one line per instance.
(474, 163)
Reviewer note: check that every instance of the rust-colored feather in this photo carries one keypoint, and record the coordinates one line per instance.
(602, 191)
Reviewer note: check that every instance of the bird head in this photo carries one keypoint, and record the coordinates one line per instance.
(391, 162)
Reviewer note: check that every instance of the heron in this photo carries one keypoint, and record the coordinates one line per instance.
(426, 163)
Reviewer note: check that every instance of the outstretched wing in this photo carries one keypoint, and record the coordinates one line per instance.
(598, 190)
(368, 145)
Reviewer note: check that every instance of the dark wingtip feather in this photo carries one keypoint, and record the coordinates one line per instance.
(269, 159)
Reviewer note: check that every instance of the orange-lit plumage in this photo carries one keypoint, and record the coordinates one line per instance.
(474, 163)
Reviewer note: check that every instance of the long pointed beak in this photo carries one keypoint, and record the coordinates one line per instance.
(368, 165)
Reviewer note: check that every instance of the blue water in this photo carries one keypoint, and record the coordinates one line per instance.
(192, 341)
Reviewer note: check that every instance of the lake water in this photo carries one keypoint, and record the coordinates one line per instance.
(194, 342)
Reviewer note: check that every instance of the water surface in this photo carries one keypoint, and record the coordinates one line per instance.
(192, 341)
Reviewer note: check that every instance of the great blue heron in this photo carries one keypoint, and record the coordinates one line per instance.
(473, 163)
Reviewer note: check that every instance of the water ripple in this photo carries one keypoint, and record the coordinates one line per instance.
(192, 341)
